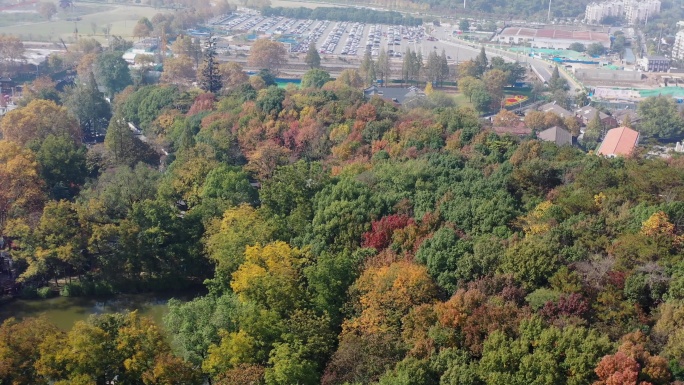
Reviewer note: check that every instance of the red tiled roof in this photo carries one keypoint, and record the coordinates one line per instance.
(619, 141)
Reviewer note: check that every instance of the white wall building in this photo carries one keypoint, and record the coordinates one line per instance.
(678, 47)
(633, 11)
(641, 11)
(596, 12)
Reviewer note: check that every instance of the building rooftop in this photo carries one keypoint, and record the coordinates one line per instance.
(620, 115)
(587, 113)
(619, 141)
(517, 31)
(395, 94)
(556, 135)
(556, 109)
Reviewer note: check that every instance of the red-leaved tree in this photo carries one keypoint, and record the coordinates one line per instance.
(381, 232)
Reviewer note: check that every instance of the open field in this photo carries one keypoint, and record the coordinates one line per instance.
(12, 18)
(121, 17)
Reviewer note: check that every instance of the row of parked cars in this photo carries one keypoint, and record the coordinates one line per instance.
(285, 27)
(353, 39)
(236, 20)
(373, 40)
(301, 28)
(252, 22)
(270, 23)
(312, 37)
(330, 42)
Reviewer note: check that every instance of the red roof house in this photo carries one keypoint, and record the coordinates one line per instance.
(620, 141)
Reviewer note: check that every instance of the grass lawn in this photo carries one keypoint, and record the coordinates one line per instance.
(462, 100)
(122, 18)
(9, 19)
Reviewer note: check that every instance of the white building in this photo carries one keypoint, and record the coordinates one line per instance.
(596, 12)
(678, 47)
(633, 11)
(636, 12)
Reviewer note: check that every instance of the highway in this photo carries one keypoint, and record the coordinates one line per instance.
(541, 68)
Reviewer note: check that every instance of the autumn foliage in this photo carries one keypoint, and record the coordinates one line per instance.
(337, 239)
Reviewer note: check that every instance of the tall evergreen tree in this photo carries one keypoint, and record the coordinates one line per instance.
(406, 66)
(432, 68)
(557, 82)
(418, 65)
(88, 106)
(411, 66)
(443, 68)
(481, 61)
(383, 69)
(367, 69)
(211, 76)
(313, 59)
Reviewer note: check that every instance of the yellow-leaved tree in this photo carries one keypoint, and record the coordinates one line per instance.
(19, 349)
(37, 120)
(227, 238)
(270, 276)
(110, 347)
(20, 180)
(386, 294)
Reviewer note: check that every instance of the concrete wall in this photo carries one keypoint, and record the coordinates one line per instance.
(601, 74)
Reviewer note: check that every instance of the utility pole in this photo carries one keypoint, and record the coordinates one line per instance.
(548, 17)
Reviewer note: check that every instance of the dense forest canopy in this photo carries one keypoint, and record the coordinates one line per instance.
(340, 239)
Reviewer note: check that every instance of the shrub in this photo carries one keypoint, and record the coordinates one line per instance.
(71, 289)
(28, 292)
(44, 292)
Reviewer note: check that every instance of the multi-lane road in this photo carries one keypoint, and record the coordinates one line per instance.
(469, 50)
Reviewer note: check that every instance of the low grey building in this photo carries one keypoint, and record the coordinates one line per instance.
(655, 63)
(397, 95)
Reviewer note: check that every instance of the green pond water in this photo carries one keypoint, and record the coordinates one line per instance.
(65, 311)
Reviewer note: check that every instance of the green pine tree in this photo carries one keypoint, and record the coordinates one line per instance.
(211, 77)
(313, 59)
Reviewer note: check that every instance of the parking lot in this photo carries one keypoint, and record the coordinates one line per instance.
(331, 37)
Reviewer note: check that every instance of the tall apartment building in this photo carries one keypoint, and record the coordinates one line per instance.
(595, 12)
(632, 11)
(640, 11)
(678, 47)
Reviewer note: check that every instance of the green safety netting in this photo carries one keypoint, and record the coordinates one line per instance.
(665, 91)
(568, 54)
